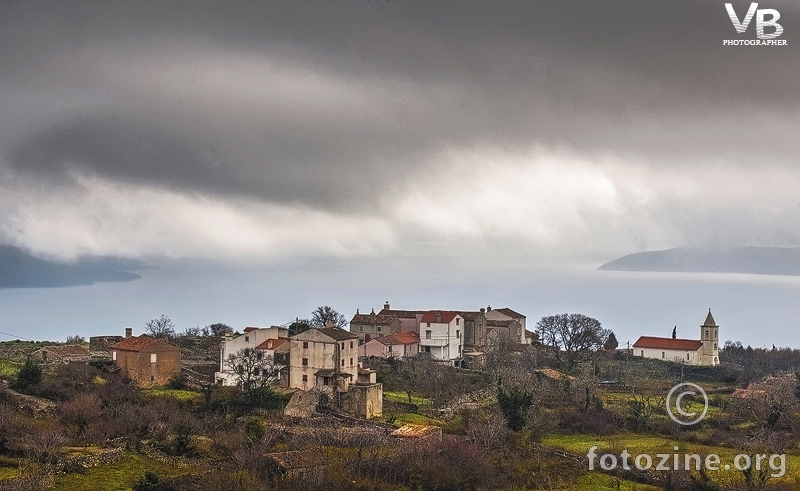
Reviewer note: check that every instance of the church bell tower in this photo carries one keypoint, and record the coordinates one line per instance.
(709, 336)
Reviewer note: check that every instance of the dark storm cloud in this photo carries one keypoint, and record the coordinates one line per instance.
(621, 76)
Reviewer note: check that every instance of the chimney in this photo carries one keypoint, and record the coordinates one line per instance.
(438, 316)
(128, 332)
(329, 322)
(372, 316)
(483, 311)
(386, 305)
(489, 308)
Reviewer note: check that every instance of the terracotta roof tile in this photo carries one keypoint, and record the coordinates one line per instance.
(135, 343)
(271, 344)
(404, 338)
(439, 316)
(668, 343)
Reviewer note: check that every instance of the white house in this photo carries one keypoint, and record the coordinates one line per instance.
(441, 335)
(252, 337)
(704, 351)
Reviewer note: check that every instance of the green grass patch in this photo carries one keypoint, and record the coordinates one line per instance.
(399, 396)
(9, 368)
(596, 481)
(652, 445)
(179, 394)
(119, 476)
(408, 418)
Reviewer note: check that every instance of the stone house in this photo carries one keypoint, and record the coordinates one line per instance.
(66, 353)
(323, 356)
(409, 319)
(517, 332)
(372, 325)
(147, 361)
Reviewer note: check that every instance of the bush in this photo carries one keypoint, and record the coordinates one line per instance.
(29, 375)
(148, 482)
(514, 404)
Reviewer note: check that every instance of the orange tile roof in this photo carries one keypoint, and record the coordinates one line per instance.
(668, 343)
(135, 343)
(404, 338)
(439, 316)
(271, 344)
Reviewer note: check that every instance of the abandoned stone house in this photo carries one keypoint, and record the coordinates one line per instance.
(66, 353)
(147, 361)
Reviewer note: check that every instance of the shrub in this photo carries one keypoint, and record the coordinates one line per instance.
(29, 375)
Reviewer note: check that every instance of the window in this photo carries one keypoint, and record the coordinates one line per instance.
(342, 362)
(715, 345)
(247, 339)
(427, 349)
(458, 334)
(305, 344)
(342, 345)
(687, 356)
(351, 345)
(325, 380)
(662, 354)
(428, 334)
(153, 357)
(360, 328)
(305, 378)
(706, 333)
(429, 324)
(114, 355)
(351, 361)
(642, 352)
(379, 328)
(458, 321)
(305, 362)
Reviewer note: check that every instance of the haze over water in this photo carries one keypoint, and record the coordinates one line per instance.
(754, 309)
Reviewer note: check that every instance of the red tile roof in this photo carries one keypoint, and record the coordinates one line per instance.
(439, 316)
(468, 315)
(250, 328)
(271, 344)
(135, 343)
(668, 343)
(404, 338)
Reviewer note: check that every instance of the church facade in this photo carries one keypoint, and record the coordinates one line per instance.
(704, 351)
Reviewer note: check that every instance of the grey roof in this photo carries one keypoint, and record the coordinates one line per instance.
(337, 333)
(709, 320)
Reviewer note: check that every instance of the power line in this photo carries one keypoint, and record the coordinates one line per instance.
(15, 336)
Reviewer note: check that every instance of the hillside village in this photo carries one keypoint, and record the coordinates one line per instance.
(393, 399)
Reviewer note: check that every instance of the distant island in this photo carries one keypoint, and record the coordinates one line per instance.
(20, 269)
(749, 260)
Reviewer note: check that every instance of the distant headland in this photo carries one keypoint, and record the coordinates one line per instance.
(748, 260)
(21, 269)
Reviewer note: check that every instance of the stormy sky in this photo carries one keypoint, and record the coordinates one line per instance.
(567, 131)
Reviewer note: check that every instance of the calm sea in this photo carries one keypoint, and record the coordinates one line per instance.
(753, 309)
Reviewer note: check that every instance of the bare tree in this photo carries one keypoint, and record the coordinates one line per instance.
(253, 369)
(321, 315)
(571, 336)
(162, 327)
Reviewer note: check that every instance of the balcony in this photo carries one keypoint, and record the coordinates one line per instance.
(434, 342)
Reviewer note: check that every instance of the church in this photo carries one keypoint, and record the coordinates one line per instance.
(690, 351)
